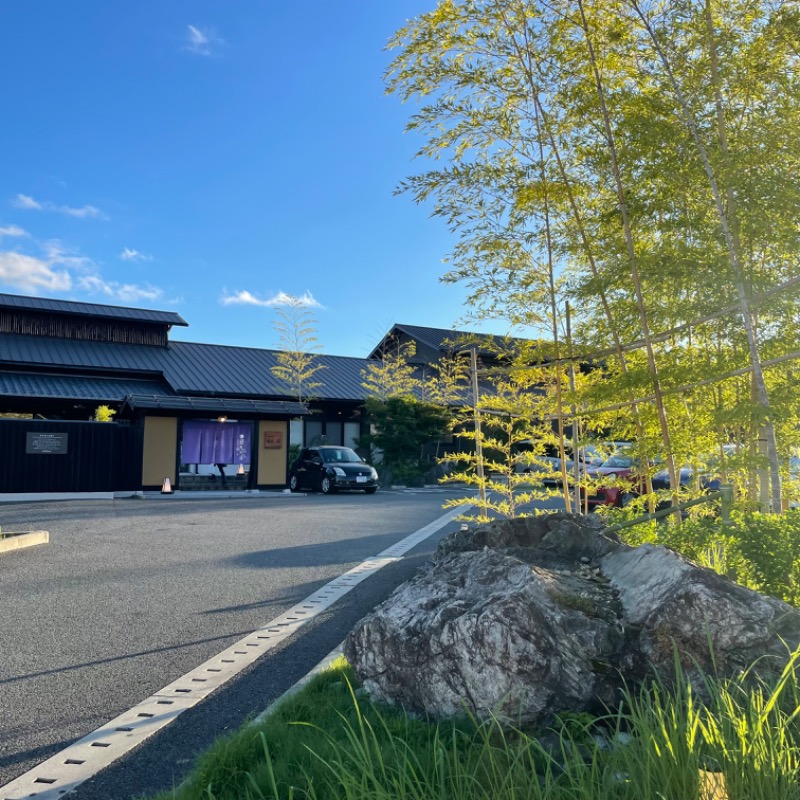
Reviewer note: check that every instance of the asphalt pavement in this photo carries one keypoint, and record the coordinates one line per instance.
(131, 594)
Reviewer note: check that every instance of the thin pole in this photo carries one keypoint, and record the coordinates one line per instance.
(478, 434)
(576, 466)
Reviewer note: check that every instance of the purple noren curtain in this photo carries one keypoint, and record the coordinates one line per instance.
(207, 442)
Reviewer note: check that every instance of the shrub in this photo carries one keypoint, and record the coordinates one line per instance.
(760, 551)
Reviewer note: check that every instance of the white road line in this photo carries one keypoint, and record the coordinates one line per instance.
(65, 771)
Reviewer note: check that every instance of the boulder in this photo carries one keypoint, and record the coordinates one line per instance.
(524, 618)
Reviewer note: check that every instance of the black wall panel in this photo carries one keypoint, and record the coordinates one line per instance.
(99, 457)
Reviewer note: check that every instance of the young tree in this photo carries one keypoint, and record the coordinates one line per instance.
(297, 365)
(401, 426)
(392, 375)
(641, 149)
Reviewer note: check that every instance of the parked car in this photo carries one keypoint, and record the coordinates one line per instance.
(591, 455)
(709, 480)
(709, 475)
(329, 468)
(623, 465)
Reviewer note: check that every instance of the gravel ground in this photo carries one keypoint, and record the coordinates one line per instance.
(131, 594)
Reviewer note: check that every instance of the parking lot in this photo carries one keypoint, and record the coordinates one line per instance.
(131, 594)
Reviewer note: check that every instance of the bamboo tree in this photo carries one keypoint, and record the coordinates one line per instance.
(728, 229)
(392, 375)
(297, 365)
(629, 243)
(526, 57)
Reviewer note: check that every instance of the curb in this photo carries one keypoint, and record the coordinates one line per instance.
(300, 684)
(57, 497)
(36, 497)
(16, 541)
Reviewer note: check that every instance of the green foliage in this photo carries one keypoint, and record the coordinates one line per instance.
(601, 153)
(760, 551)
(326, 743)
(401, 426)
(104, 414)
(297, 365)
(392, 375)
(509, 410)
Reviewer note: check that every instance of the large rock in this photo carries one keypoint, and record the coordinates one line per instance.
(524, 618)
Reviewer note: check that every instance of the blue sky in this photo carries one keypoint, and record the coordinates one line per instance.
(204, 157)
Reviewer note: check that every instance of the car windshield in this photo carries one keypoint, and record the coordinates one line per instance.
(337, 455)
(618, 462)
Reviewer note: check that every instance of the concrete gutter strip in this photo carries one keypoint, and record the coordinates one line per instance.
(16, 541)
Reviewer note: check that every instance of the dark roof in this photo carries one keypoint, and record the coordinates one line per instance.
(215, 405)
(444, 339)
(67, 387)
(91, 310)
(188, 368)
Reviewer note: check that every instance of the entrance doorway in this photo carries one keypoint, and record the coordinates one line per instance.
(215, 455)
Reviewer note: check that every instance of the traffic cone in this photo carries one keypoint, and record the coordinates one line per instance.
(166, 488)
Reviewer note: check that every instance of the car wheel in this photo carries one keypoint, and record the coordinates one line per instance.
(371, 490)
(326, 485)
(294, 484)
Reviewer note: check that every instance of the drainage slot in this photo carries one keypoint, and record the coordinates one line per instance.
(228, 660)
(183, 691)
(45, 780)
(74, 761)
(125, 728)
(213, 669)
(199, 680)
(240, 652)
(253, 644)
(145, 714)
(164, 702)
(101, 744)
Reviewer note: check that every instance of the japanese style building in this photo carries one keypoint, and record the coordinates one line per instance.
(202, 415)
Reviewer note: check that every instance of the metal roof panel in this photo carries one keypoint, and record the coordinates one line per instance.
(91, 310)
(68, 387)
(215, 405)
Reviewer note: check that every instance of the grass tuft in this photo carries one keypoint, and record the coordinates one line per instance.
(328, 743)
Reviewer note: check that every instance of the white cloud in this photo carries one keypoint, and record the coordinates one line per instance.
(60, 269)
(129, 254)
(13, 230)
(242, 299)
(127, 292)
(246, 298)
(57, 253)
(23, 201)
(28, 203)
(202, 41)
(33, 275)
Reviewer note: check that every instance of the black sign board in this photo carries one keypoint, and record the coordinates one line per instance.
(46, 443)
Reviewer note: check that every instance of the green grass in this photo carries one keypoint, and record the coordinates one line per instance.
(328, 743)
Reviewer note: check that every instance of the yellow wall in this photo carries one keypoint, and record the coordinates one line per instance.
(272, 461)
(160, 450)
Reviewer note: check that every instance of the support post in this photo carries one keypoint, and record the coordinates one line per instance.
(478, 433)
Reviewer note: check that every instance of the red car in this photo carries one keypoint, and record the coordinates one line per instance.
(623, 465)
